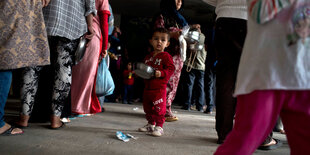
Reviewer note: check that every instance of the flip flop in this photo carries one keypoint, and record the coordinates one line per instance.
(271, 147)
(8, 132)
(171, 118)
(61, 126)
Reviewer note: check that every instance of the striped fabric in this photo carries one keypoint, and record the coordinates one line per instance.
(264, 10)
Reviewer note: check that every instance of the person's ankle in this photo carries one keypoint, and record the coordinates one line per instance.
(23, 120)
(55, 121)
(5, 127)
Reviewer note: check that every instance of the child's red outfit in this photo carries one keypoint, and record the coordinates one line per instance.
(128, 86)
(154, 96)
(128, 77)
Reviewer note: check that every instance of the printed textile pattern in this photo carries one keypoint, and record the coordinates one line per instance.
(29, 88)
(62, 63)
(23, 39)
(173, 82)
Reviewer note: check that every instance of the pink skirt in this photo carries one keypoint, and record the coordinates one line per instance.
(83, 95)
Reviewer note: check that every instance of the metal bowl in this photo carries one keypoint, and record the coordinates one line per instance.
(80, 51)
(197, 47)
(143, 70)
(192, 36)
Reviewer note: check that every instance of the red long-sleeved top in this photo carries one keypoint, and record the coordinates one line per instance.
(162, 62)
(128, 79)
(104, 15)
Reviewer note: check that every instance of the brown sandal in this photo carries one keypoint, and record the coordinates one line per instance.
(171, 118)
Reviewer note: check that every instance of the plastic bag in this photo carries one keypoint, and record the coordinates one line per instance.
(124, 137)
(104, 82)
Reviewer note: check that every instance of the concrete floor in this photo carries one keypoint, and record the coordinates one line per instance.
(193, 134)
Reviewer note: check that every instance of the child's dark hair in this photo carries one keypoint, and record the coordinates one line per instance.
(162, 30)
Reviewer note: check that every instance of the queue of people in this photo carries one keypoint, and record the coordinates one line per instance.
(250, 90)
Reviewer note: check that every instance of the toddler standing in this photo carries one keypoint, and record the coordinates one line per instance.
(128, 83)
(154, 96)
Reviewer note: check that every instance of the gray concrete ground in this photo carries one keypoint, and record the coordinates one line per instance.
(193, 134)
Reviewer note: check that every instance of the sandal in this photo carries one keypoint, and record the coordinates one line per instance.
(65, 120)
(61, 126)
(9, 131)
(271, 147)
(171, 118)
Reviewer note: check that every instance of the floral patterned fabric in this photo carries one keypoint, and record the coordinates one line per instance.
(173, 83)
(23, 39)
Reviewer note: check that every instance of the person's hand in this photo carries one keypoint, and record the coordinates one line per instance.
(157, 73)
(113, 56)
(197, 26)
(104, 53)
(90, 34)
(91, 31)
(45, 2)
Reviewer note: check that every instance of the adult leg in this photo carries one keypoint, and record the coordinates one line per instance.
(169, 117)
(229, 39)
(28, 93)
(101, 101)
(225, 102)
(209, 90)
(62, 63)
(199, 89)
(189, 78)
(279, 126)
(296, 117)
(173, 84)
(5, 84)
(169, 99)
(83, 96)
(256, 115)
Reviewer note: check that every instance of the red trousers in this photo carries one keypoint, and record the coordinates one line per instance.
(257, 114)
(154, 105)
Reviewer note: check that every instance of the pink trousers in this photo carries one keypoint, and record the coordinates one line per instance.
(256, 115)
